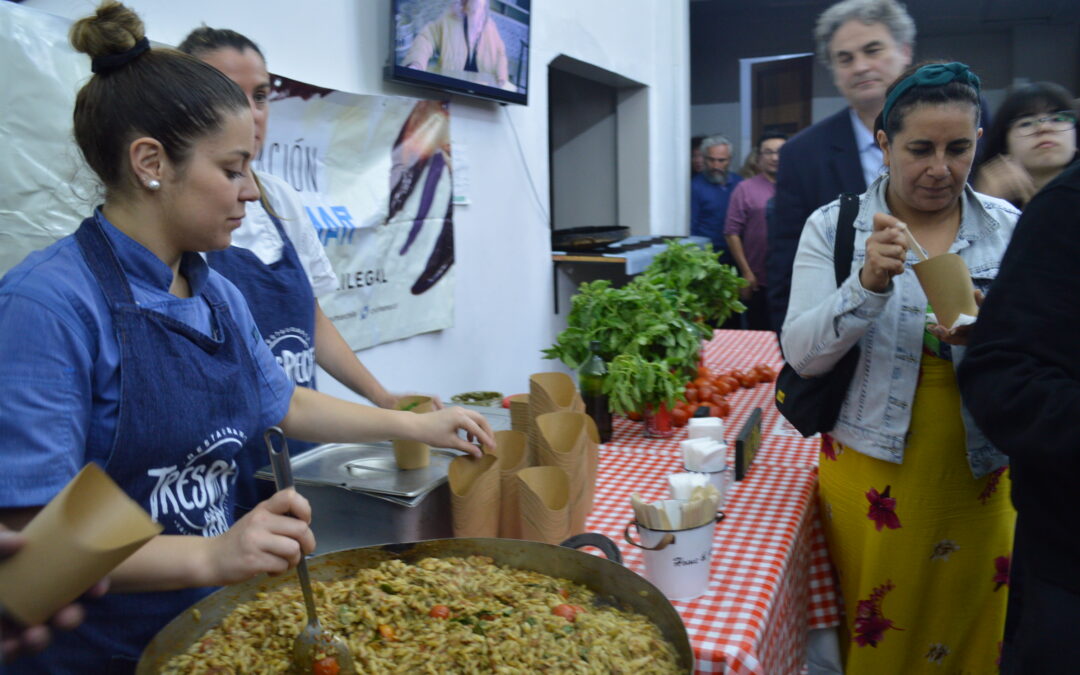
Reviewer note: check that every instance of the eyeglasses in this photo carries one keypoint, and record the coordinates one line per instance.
(1059, 121)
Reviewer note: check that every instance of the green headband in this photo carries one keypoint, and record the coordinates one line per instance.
(933, 75)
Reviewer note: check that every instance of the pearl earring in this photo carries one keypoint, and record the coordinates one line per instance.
(153, 184)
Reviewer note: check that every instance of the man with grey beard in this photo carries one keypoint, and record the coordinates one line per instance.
(710, 192)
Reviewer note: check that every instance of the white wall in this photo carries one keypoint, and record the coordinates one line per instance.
(503, 312)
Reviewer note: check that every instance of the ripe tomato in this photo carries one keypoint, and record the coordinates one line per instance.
(568, 612)
(327, 666)
(705, 393)
(679, 417)
(703, 371)
(633, 416)
(732, 383)
(723, 408)
(744, 379)
(439, 612)
(387, 632)
(766, 373)
(691, 393)
(721, 385)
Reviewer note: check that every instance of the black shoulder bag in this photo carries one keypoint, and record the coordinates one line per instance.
(812, 404)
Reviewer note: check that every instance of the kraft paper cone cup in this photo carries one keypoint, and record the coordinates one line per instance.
(78, 538)
(947, 283)
(474, 496)
(519, 413)
(513, 457)
(413, 454)
(592, 460)
(563, 442)
(544, 497)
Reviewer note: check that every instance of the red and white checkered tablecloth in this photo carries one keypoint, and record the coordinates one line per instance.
(771, 576)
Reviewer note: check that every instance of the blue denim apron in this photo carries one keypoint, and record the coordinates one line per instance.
(283, 304)
(189, 403)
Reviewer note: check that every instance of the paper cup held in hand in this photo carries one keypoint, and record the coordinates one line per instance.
(947, 283)
(474, 496)
(413, 454)
(89, 528)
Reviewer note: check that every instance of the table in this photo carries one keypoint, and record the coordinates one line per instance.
(771, 578)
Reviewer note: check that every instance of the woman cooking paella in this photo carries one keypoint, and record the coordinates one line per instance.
(123, 348)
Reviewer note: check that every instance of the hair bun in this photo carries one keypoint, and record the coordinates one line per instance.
(112, 29)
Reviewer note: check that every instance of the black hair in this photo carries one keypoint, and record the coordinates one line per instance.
(1027, 99)
(162, 93)
(206, 39)
(951, 92)
(768, 136)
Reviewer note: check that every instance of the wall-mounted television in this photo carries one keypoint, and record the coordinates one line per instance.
(473, 47)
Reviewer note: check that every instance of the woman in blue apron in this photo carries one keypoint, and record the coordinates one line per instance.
(278, 263)
(122, 347)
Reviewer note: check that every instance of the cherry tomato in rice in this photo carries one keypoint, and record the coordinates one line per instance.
(387, 632)
(565, 611)
(679, 417)
(327, 666)
(565, 593)
(439, 612)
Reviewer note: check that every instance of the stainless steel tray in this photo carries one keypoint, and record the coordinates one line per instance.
(368, 467)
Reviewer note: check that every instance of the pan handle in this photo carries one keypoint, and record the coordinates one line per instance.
(611, 551)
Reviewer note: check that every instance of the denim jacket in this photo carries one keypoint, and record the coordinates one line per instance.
(823, 322)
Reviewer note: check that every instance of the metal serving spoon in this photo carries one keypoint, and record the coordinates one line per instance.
(313, 639)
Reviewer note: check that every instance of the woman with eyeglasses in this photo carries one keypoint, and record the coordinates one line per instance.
(1031, 141)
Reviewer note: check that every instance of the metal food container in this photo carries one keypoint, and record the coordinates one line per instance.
(359, 497)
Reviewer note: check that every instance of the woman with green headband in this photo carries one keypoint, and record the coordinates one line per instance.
(916, 501)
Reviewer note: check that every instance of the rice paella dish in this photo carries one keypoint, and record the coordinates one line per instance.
(439, 615)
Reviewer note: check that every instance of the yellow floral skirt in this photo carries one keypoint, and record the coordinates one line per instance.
(922, 549)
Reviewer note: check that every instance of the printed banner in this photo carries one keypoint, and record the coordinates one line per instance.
(372, 172)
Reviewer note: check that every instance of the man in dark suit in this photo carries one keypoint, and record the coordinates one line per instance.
(866, 44)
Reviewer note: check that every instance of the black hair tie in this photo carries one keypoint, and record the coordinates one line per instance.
(110, 62)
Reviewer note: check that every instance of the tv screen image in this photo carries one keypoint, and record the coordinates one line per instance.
(474, 47)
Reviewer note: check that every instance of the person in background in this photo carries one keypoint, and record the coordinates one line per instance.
(122, 347)
(745, 230)
(915, 500)
(710, 192)
(865, 44)
(1021, 382)
(697, 160)
(1032, 140)
(751, 166)
(278, 263)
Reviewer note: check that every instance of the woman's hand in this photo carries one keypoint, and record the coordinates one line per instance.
(886, 250)
(1004, 177)
(393, 401)
(959, 335)
(268, 539)
(17, 639)
(440, 429)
